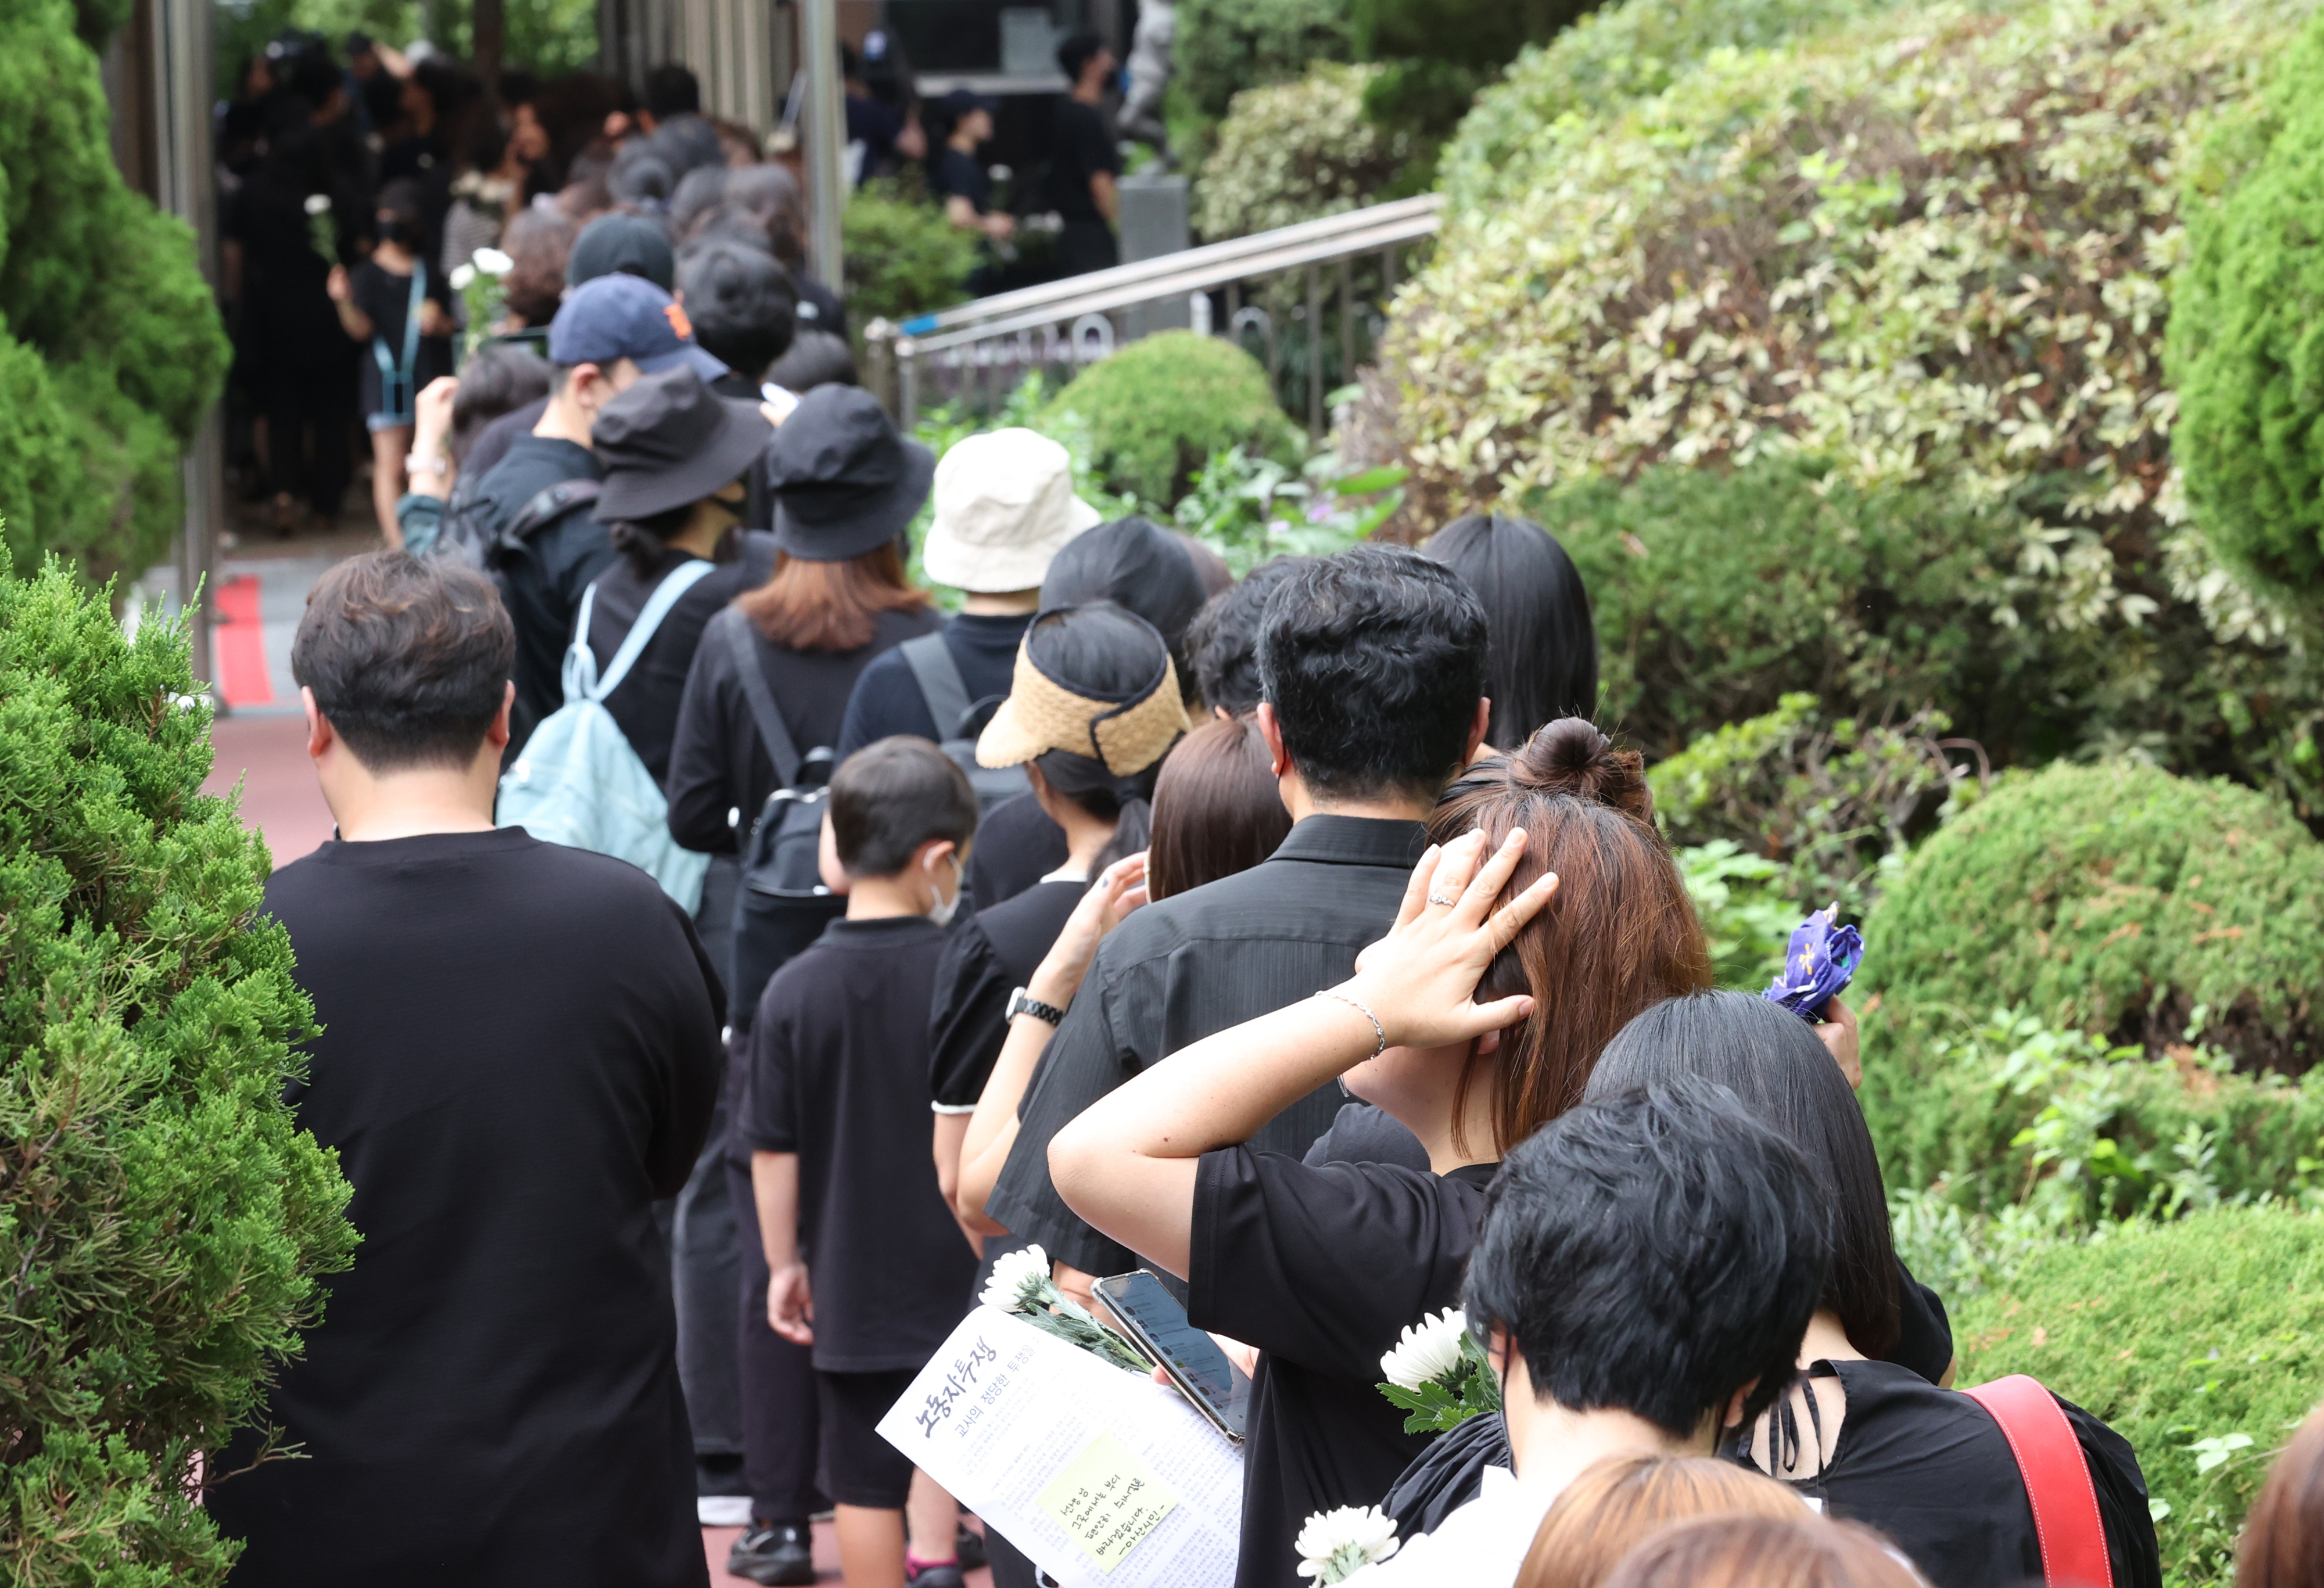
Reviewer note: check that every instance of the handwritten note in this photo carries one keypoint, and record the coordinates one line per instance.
(1107, 1501)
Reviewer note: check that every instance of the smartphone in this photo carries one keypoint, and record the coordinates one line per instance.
(1150, 1316)
(781, 399)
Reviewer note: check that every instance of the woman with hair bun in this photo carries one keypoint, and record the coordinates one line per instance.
(1590, 924)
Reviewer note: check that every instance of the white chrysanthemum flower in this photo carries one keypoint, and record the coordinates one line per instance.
(492, 262)
(1430, 1349)
(316, 203)
(1017, 1277)
(1336, 1545)
(461, 276)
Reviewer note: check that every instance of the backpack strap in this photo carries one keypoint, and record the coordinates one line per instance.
(941, 685)
(550, 503)
(2057, 1481)
(582, 679)
(772, 733)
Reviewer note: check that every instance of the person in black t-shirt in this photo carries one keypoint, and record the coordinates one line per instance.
(1873, 1441)
(400, 312)
(1005, 504)
(867, 1264)
(1269, 1246)
(1083, 159)
(520, 1055)
(958, 178)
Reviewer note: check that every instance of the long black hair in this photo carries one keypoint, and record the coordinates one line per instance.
(1770, 1058)
(1543, 660)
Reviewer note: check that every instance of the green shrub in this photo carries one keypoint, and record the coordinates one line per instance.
(1249, 509)
(1159, 408)
(1226, 46)
(1746, 918)
(2246, 343)
(103, 293)
(903, 257)
(1297, 152)
(1438, 53)
(2014, 1117)
(162, 1218)
(2196, 1341)
(2119, 900)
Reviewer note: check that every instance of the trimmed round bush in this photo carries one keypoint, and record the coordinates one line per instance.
(1297, 151)
(2196, 1341)
(2246, 343)
(1159, 409)
(163, 1219)
(903, 257)
(2118, 900)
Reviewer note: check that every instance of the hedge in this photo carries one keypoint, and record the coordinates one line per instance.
(2192, 1340)
(1159, 409)
(2246, 342)
(1224, 48)
(162, 1218)
(2116, 899)
(903, 257)
(1297, 152)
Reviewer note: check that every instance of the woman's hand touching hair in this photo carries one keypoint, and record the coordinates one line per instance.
(1420, 981)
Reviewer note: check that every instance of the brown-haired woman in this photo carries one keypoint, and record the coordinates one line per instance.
(1607, 1511)
(1321, 1266)
(2283, 1538)
(1804, 1551)
(1217, 808)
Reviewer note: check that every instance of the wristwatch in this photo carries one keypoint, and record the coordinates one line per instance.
(432, 463)
(1021, 1002)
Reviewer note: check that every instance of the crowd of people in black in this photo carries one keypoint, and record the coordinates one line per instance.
(355, 191)
(1297, 938)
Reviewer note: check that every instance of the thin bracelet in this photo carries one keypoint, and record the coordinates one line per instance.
(1377, 1029)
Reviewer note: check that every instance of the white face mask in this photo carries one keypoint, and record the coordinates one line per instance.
(943, 910)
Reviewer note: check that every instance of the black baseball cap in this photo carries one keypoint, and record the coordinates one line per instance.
(960, 102)
(669, 440)
(626, 316)
(844, 481)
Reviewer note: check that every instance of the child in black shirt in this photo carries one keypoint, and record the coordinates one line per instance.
(866, 1263)
(402, 355)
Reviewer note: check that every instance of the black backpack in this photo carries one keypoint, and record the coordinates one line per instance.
(959, 719)
(781, 906)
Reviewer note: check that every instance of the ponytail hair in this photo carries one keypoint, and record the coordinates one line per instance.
(1619, 936)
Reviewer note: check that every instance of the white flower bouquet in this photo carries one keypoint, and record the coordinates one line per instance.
(481, 284)
(1020, 1286)
(1438, 1373)
(1336, 1545)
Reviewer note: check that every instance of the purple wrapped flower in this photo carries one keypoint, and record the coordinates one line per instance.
(1822, 960)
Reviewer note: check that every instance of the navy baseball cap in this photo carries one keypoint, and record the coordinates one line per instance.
(626, 316)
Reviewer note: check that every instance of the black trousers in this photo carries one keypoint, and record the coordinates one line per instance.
(781, 1432)
(309, 409)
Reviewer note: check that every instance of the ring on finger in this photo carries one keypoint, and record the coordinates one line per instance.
(1437, 898)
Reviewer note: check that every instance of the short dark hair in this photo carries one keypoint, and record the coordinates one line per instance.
(498, 377)
(814, 358)
(1217, 808)
(1544, 660)
(1222, 637)
(408, 660)
(1074, 51)
(1374, 661)
(672, 90)
(740, 303)
(1769, 1058)
(1654, 1252)
(893, 795)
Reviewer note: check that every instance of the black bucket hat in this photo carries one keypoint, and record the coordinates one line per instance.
(669, 440)
(844, 481)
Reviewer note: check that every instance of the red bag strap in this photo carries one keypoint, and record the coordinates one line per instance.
(2057, 1481)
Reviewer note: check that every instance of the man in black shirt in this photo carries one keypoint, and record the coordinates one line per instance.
(1084, 161)
(518, 1054)
(544, 550)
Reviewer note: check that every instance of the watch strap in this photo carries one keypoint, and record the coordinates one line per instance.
(1021, 1002)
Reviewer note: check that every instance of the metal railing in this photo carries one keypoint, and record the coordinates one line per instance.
(980, 350)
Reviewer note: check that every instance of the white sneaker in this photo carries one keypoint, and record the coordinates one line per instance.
(724, 1510)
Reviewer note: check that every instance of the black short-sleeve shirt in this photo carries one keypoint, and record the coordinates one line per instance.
(1081, 145)
(1016, 846)
(385, 299)
(1321, 1268)
(839, 1075)
(888, 698)
(989, 957)
(952, 174)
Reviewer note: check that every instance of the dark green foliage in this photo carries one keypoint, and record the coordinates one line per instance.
(902, 257)
(1436, 54)
(161, 1219)
(1225, 46)
(1159, 408)
(2182, 1337)
(104, 292)
(2119, 900)
(2246, 347)
(1716, 594)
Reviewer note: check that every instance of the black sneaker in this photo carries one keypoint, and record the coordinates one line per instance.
(780, 1555)
(971, 1545)
(946, 1575)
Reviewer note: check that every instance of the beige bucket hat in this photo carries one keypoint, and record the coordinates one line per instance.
(1005, 505)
